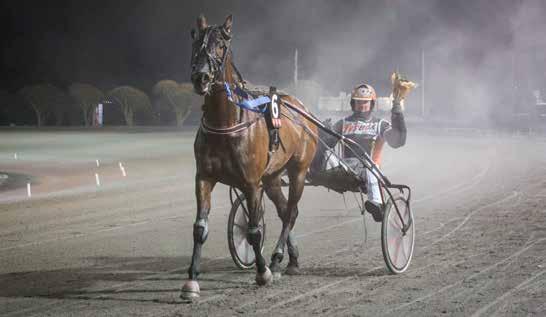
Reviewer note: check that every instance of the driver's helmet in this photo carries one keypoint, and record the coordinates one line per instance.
(364, 92)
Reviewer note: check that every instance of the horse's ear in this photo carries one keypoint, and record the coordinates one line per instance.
(201, 23)
(228, 23)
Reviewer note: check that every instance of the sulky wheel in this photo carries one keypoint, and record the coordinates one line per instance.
(397, 235)
(241, 251)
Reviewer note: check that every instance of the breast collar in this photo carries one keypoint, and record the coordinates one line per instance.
(233, 130)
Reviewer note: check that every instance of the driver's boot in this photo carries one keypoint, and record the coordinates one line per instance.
(376, 209)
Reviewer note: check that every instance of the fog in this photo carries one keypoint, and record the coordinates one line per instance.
(482, 59)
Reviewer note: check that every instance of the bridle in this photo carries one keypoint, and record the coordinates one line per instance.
(216, 64)
(217, 68)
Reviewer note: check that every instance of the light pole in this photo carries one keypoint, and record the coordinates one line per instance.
(423, 83)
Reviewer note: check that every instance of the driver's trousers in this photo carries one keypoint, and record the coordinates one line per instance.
(370, 183)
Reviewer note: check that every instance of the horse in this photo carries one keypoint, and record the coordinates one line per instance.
(232, 147)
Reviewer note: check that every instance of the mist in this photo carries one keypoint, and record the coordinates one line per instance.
(482, 60)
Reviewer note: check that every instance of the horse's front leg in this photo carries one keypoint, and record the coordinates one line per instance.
(254, 234)
(203, 189)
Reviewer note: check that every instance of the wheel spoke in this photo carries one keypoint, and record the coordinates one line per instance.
(392, 241)
(247, 215)
(404, 215)
(395, 219)
(404, 251)
(396, 251)
(395, 226)
(243, 251)
(240, 244)
(242, 218)
(242, 227)
(408, 240)
(246, 252)
(237, 236)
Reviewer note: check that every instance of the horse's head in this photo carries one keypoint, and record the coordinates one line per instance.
(209, 53)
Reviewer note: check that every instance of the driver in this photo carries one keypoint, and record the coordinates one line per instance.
(370, 132)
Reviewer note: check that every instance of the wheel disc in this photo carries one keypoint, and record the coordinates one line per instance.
(240, 249)
(243, 249)
(398, 243)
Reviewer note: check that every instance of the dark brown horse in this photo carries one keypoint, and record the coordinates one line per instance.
(231, 147)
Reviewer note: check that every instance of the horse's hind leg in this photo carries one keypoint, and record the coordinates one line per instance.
(272, 186)
(254, 234)
(297, 183)
(203, 190)
(293, 267)
(288, 211)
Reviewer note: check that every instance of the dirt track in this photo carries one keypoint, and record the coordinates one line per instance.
(123, 248)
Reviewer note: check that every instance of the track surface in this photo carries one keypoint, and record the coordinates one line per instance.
(123, 248)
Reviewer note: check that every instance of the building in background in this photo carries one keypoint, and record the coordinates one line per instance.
(334, 104)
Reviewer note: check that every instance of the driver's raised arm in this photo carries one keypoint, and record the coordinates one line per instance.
(395, 134)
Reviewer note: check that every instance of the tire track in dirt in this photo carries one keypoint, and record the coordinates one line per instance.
(523, 285)
(438, 266)
(449, 286)
(350, 286)
(89, 189)
(326, 287)
(496, 265)
(109, 229)
(470, 215)
(466, 218)
(450, 191)
(118, 288)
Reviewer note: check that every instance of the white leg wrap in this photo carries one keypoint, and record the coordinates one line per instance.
(203, 223)
(374, 193)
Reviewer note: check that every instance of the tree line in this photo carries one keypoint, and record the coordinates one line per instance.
(170, 103)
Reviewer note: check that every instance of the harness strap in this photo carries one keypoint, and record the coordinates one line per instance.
(254, 105)
(231, 130)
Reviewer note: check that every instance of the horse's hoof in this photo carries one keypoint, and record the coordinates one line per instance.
(275, 270)
(264, 278)
(190, 290)
(292, 270)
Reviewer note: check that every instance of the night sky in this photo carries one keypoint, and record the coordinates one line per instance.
(112, 43)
